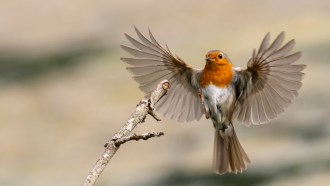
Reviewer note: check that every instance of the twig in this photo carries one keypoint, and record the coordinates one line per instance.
(137, 137)
(154, 115)
(145, 107)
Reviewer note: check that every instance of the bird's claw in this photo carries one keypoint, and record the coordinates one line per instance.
(207, 114)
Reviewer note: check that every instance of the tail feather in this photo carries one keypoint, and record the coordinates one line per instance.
(229, 155)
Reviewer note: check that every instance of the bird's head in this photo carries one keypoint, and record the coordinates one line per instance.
(217, 57)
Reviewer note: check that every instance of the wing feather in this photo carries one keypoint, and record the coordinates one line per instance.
(141, 62)
(141, 54)
(270, 82)
(151, 64)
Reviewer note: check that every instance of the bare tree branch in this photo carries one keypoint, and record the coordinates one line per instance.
(137, 137)
(144, 107)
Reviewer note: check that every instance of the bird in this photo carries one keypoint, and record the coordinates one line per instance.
(220, 91)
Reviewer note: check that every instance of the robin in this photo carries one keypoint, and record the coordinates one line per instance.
(220, 91)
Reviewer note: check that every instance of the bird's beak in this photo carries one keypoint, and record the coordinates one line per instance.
(208, 59)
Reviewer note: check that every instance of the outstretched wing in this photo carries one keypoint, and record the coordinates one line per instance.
(270, 82)
(152, 64)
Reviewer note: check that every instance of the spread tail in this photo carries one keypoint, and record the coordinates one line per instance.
(229, 155)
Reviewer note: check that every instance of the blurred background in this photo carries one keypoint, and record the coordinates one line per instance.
(64, 92)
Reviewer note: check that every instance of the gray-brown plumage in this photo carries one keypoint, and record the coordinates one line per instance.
(224, 93)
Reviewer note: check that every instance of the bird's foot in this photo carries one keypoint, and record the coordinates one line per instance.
(206, 113)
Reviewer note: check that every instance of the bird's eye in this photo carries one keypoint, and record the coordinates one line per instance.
(220, 56)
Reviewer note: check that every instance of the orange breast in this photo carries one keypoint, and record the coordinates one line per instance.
(218, 75)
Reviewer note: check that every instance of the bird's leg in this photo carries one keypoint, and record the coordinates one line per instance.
(206, 111)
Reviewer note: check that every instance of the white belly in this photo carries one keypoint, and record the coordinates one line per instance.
(219, 101)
